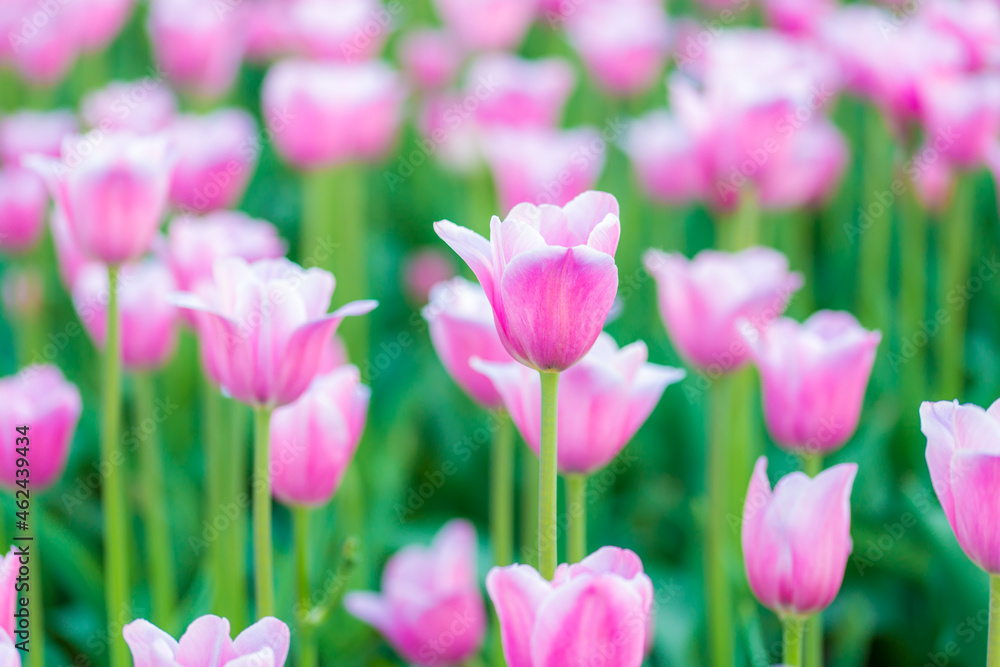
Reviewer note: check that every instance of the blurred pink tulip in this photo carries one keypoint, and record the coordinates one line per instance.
(703, 300)
(796, 539)
(462, 328)
(313, 439)
(813, 378)
(23, 203)
(43, 40)
(603, 400)
(623, 43)
(193, 245)
(343, 30)
(198, 45)
(216, 157)
(549, 272)
(40, 398)
(206, 643)
(269, 32)
(541, 166)
(27, 132)
(148, 318)
(69, 256)
(335, 113)
(963, 456)
(263, 327)
(450, 132)
(798, 17)
(112, 190)
(666, 158)
(22, 292)
(143, 106)
(806, 168)
(962, 116)
(933, 179)
(976, 25)
(430, 609)
(508, 91)
(9, 566)
(595, 608)
(99, 21)
(422, 270)
(488, 25)
(9, 655)
(430, 57)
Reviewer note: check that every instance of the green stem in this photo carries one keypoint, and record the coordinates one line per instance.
(913, 300)
(718, 593)
(36, 656)
(548, 539)
(741, 228)
(875, 225)
(263, 548)
(116, 576)
(234, 538)
(954, 274)
(159, 547)
(812, 465)
(792, 641)
(993, 638)
(576, 512)
(307, 644)
(213, 437)
(529, 506)
(480, 204)
(502, 491)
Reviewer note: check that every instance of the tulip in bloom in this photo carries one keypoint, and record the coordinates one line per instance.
(703, 300)
(462, 328)
(336, 113)
(796, 539)
(602, 401)
(269, 29)
(597, 608)
(69, 256)
(430, 609)
(148, 318)
(40, 398)
(28, 132)
(431, 58)
(263, 327)
(23, 201)
(423, 270)
(549, 272)
(314, 438)
(488, 25)
(814, 377)
(216, 156)
(509, 91)
(666, 156)
(99, 21)
(961, 115)
(805, 169)
(143, 106)
(963, 456)
(43, 43)
(444, 122)
(9, 566)
(206, 643)
(112, 190)
(344, 30)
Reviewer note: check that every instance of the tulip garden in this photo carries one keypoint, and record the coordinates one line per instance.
(540, 333)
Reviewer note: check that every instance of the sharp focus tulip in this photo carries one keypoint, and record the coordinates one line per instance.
(263, 327)
(814, 377)
(9, 566)
(488, 25)
(796, 539)
(702, 300)
(602, 402)
(513, 92)
(148, 318)
(28, 132)
(206, 643)
(113, 198)
(332, 113)
(431, 58)
(345, 30)
(314, 438)
(216, 156)
(963, 456)
(430, 609)
(23, 201)
(40, 398)
(143, 106)
(549, 273)
(594, 609)
(461, 327)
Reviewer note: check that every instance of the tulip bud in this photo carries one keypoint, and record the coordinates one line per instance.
(143, 106)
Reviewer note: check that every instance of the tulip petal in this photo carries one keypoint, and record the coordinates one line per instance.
(472, 248)
(267, 633)
(975, 485)
(516, 592)
(937, 421)
(206, 642)
(763, 556)
(262, 658)
(141, 636)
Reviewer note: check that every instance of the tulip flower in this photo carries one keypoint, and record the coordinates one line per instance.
(207, 642)
(99, 21)
(216, 157)
(975, 24)
(966, 110)
(143, 106)
(443, 624)
(805, 170)
(40, 398)
(702, 300)
(345, 30)
(424, 269)
(69, 256)
(667, 159)
(23, 202)
(28, 132)
(431, 58)
(487, 25)
(9, 566)
(813, 378)
(797, 17)
(462, 328)
(451, 130)
(513, 92)
(796, 541)
(596, 608)
(42, 50)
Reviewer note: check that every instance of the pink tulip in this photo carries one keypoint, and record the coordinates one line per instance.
(269, 32)
(796, 539)
(27, 132)
(623, 44)
(488, 25)
(99, 21)
(344, 30)
(431, 58)
(193, 245)
(549, 273)
(430, 609)
(9, 566)
(963, 456)
(422, 270)
(806, 168)
(976, 25)
(798, 17)
(933, 180)
(143, 106)
(22, 292)
(40, 398)
(69, 256)
(449, 127)
(603, 400)
(197, 45)
(43, 44)
(23, 202)
(461, 327)
(814, 377)
(113, 191)
(665, 155)
(596, 609)
(702, 300)
(336, 113)
(263, 327)
(148, 318)
(313, 439)
(9, 655)
(217, 154)
(206, 643)
(964, 111)
(508, 91)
